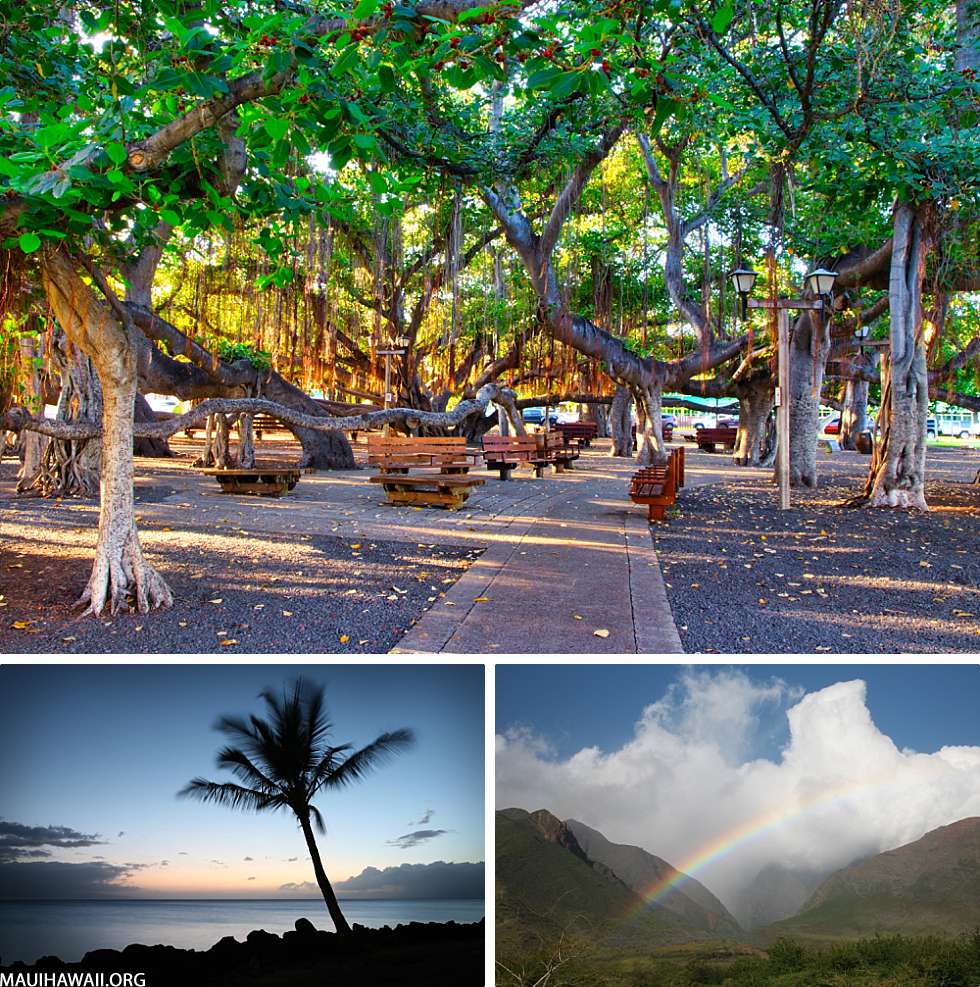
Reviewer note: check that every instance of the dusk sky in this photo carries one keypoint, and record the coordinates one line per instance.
(103, 750)
(725, 770)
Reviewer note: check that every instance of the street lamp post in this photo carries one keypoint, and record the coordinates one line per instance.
(820, 283)
(401, 345)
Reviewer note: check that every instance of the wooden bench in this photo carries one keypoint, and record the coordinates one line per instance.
(399, 454)
(552, 447)
(432, 489)
(581, 432)
(266, 423)
(657, 486)
(708, 438)
(265, 481)
(505, 452)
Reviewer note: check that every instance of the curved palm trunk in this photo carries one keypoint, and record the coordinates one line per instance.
(333, 906)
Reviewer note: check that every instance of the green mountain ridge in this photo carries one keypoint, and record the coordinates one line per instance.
(928, 887)
(549, 887)
(640, 870)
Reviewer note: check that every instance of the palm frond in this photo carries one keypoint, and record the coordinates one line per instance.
(360, 762)
(232, 795)
(238, 762)
(321, 826)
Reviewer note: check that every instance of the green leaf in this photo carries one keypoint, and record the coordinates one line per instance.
(377, 182)
(276, 127)
(723, 17)
(665, 107)
(29, 242)
(117, 153)
(365, 8)
(171, 217)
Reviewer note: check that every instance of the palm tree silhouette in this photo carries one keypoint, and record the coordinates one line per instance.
(284, 762)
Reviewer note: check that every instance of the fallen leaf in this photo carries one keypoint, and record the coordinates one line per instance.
(481, 599)
(577, 616)
(356, 544)
(762, 601)
(601, 632)
(344, 638)
(228, 642)
(218, 600)
(287, 613)
(21, 625)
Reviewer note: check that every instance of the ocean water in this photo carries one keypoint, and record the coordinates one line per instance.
(69, 929)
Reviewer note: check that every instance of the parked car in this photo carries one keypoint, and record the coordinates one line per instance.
(832, 427)
(728, 421)
(535, 416)
(670, 420)
(931, 432)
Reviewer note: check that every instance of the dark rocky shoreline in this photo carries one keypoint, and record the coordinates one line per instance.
(432, 954)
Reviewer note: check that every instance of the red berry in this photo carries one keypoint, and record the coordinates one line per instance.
(605, 66)
(454, 43)
(595, 52)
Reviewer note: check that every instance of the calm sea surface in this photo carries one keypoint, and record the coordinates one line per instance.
(69, 929)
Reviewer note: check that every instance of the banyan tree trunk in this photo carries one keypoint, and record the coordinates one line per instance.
(70, 467)
(599, 413)
(754, 402)
(621, 422)
(809, 347)
(649, 427)
(898, 466)
(31, 444)
(157, 448)
(121, 575)
(854, 415)
(246, 442)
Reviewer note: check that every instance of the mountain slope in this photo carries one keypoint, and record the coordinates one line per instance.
(775, 893)
(548, 887)
(931, 886)
(688, 899)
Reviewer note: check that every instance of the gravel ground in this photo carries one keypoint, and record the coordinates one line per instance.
(236, 592)
(744, 577)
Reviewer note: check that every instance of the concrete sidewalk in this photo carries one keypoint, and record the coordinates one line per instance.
(583, 563)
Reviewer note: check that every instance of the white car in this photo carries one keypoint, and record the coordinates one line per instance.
(164, 402)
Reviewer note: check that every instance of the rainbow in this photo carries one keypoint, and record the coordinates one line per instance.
(745, 833)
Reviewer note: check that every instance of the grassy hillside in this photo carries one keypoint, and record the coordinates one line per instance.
(929, 887)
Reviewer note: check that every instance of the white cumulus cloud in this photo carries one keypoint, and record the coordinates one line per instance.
(686, 786)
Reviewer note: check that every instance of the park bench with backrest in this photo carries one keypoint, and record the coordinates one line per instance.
(708, 438)
(552, 447)
(582, 433)
(399, 454)
(445, 459)
(505, 452)
(657, 486)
